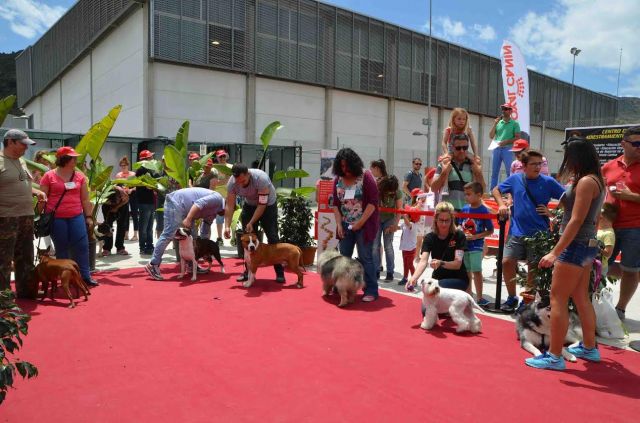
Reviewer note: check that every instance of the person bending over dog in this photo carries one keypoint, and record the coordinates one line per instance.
(259, 207)
(181, 209)
(446, 244)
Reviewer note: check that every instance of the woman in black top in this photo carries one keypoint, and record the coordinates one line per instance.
(446, 244)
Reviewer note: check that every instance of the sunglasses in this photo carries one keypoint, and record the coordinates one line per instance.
(635, 144)
(417, 164)
(462, 147)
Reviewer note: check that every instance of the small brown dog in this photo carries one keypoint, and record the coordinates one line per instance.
(49, 270)
(257, 255)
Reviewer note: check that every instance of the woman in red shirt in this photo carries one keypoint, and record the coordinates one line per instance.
(69, 231)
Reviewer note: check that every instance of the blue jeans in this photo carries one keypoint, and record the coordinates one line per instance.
(70, 239)
(145, 226)
(173, 218)
(388, 247)
(365, 256)
(500, 155)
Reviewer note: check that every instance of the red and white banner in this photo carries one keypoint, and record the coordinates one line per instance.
(515, 81)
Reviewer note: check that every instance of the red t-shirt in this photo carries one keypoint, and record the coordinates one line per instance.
(628, 211)
(71, 204)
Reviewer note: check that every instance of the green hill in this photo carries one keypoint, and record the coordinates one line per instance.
(8, 76)
(628, 110)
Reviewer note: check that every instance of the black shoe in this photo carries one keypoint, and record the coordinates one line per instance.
(243, 278)
(91, 283)
(220, 242)
(200, 271)
(402, 282)
(280, 279)
(389, 277)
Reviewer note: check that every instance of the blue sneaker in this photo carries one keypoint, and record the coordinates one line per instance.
(580, 351)
(546, 361)
(510, 305)
(484, 302)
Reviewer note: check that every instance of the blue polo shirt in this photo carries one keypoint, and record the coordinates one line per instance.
(525, 221)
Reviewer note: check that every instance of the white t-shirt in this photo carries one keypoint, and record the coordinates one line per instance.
(408, 239)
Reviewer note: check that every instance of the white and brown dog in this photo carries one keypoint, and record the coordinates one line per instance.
(458, 304)
(187, 252)
(257, 254)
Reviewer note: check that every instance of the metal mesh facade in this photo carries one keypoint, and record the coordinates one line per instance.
(307, 41)
(40, 64)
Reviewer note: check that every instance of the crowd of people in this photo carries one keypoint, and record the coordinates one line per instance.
(449, 243)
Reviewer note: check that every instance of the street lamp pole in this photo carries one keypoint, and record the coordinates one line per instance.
(429, 93)
(574, 51)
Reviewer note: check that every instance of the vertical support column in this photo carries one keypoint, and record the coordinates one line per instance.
(250, 110)
(91, 87)
(391, 135)
(328, 118)
(148, 77)
(60, 88)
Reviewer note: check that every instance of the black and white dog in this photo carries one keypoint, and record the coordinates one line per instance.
(102, 231)
(533, 327)
(187, 253)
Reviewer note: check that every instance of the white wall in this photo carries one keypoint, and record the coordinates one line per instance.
(300, 109)
(50, 108)
(213, 102)
(117, 75)
(360, 122)
(76, 97)
(408, 119)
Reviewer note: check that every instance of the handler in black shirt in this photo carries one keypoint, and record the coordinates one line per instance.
(446, 244)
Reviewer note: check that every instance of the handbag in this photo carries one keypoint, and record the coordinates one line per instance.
(42, 226)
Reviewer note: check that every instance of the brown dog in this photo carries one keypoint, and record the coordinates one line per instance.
(257, 255)
(50, 270)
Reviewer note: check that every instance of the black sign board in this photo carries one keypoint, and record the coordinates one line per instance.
(606, 139)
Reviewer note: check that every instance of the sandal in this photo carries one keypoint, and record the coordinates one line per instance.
(123, 252)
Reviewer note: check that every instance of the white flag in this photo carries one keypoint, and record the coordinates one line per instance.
(515, 81)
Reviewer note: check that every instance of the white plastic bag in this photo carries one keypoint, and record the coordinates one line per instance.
(608, 325)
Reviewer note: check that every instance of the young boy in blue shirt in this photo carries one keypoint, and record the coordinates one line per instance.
(476, 230)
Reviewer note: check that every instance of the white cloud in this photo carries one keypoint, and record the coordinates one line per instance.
(29, 18)
(598, 28)
(485, 32)
(451, 29)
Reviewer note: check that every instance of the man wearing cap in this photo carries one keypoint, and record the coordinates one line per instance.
(146, 208)
(504, 131)
(181, 209)
(622, 176)
(16, 214)
(522, 146)
(456, 171)
(259, 206)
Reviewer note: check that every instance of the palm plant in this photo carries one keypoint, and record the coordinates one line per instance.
(6, 104)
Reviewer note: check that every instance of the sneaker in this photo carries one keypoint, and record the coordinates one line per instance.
(243, 278)
(546, 361)
(368, 298)
(402, 282)
(123, 252)
(620, 314)
(510, 305)
(220, 241)
(580, 351)
(482, 302)
(105, 253)
(389, 277)
(280, 279)
(200, 271)
(521, 307)
(154, 271)
(91, 283)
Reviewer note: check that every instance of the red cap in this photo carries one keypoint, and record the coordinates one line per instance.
(519, 145)
(416, 191)
(146, 154)
(220, 153)
(194, 156)
(506, 106)
(66, 151)
(209, 162)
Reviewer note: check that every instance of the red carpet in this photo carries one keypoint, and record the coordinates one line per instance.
(174, 351)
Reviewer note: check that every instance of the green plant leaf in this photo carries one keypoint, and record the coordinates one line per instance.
(31, 165)
(222, 189)
(291, 173)
(269, 132)
(176, 165)
(6, 104)
(222, 169)
(304, 191)
(153, 165)
(182, 139)
(236, 217)
(92, 142)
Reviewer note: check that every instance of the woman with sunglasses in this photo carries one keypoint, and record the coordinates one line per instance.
(573, 255)
(446, 245)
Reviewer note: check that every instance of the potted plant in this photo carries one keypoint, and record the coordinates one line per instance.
(296, 217)
(13, 325)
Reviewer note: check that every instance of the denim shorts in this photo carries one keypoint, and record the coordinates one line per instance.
(627, 242)
(578, 253)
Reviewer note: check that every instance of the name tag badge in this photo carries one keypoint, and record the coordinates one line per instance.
(69, 185)
(349, 194)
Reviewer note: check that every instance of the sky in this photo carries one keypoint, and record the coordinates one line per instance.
(545, 31)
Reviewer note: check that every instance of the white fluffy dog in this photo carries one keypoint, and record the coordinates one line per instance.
(457, 303)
